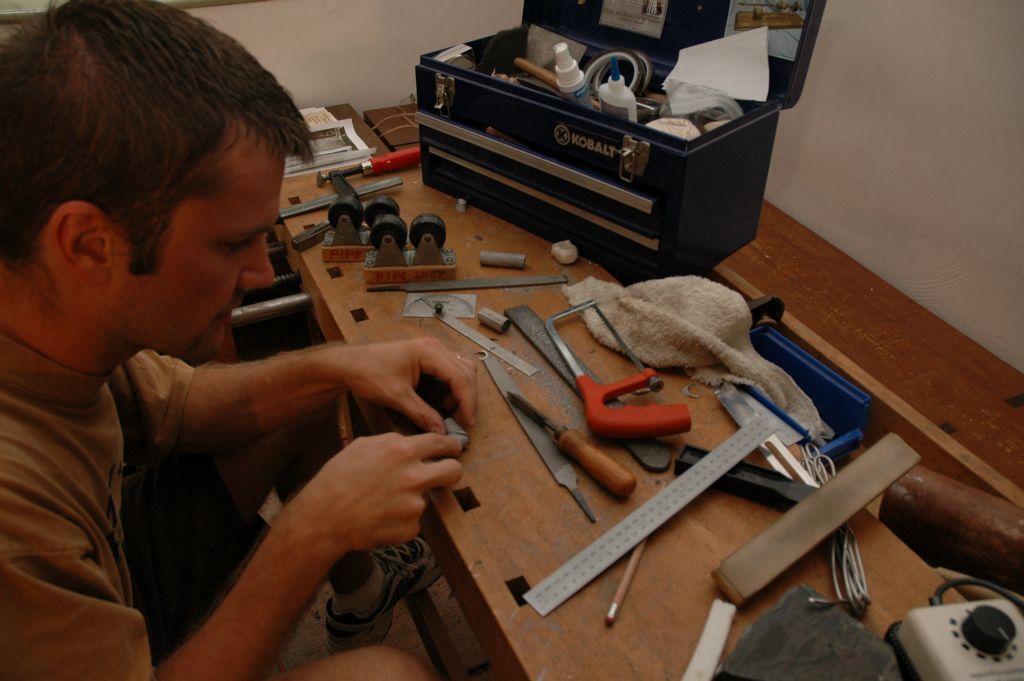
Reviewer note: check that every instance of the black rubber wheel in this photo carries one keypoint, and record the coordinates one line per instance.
(427, 223)
(388, 224)
(346, 205)
(379, 205)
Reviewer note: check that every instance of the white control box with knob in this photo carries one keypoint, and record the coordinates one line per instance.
(963, 641)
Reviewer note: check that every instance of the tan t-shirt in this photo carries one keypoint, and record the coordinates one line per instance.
(65, 594)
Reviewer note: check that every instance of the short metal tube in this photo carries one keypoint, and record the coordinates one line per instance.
(258, 312)
(493, 320)
(499, 259)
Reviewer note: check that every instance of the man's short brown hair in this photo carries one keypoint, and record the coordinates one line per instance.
(126, 104)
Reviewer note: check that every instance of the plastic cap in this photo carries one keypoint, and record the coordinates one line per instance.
(562, 56)
(615, 69)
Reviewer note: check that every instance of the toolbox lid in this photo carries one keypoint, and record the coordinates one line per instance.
(682, 23)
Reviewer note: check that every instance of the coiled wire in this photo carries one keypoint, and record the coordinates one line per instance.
(848, 579)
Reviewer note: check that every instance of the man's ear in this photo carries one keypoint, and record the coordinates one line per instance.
(82, 241)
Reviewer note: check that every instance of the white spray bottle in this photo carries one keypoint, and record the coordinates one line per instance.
(569, 77)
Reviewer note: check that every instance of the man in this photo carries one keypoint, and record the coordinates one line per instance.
(142, 165)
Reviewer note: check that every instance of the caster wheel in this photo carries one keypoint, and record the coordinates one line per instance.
(427, 223)
(388, 224)
(377, 206)
(346, 205)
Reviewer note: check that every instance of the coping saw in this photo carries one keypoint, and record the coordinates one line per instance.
(649, 420)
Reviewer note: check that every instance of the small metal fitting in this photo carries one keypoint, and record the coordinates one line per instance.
(493, 320)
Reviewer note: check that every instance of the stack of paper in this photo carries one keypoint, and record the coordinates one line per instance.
(333, 142)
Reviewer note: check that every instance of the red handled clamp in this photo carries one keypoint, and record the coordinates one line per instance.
(649, 420)
(375, 165)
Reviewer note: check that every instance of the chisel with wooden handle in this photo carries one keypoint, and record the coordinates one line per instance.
(611, 475)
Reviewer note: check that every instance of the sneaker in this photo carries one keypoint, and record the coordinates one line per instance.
(408, 568)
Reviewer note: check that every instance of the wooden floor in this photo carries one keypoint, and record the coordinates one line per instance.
(308, 640)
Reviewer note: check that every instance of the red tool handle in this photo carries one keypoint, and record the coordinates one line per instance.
(395, 160)
(649, 420)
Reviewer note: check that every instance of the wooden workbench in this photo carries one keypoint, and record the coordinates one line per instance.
(507, 524)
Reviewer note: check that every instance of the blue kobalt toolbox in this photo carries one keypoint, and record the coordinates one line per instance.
(639, 201)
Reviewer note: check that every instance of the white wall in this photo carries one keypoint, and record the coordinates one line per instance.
(905, 150)
(357, 51)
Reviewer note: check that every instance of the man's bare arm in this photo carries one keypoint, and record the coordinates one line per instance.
(373, 495)
(231, 404)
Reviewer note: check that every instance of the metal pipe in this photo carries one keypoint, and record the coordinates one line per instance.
(269, 309)
(500, 259)
(326, 201)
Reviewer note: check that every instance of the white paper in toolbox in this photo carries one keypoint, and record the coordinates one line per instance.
(736, 64)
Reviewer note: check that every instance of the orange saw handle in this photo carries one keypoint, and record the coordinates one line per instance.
(649, 420)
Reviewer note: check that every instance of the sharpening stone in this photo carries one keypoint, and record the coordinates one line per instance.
(804, 526)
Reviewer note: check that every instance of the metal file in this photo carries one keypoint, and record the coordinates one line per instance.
(556, 462)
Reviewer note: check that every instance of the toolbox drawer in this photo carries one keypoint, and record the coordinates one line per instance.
(638, 201)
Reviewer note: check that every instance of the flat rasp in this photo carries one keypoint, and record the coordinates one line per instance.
(554, 459)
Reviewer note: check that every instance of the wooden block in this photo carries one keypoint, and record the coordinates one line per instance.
(344, 253)
(390, 124)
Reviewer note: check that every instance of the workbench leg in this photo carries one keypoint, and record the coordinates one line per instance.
(434, 634)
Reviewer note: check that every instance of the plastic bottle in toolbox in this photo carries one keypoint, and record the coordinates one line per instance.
(616, 98)
(569, 76)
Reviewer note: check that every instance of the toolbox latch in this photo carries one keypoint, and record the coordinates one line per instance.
(633, 158)
(444, 94)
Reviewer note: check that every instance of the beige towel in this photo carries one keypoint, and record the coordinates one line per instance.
(696, 324)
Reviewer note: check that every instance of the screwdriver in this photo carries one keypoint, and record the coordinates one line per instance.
(611, 475)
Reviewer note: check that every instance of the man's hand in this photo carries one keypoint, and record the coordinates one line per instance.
(373, 492)
(388, 373)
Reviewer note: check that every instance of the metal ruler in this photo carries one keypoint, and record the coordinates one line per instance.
(486, 343)
(463, 284)
(638, 525)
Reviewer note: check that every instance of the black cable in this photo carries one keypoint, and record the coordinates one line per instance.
(936, 598)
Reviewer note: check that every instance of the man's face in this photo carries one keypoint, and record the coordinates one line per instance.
(214, 249)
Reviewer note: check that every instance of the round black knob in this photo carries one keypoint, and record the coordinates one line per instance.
(988, 629)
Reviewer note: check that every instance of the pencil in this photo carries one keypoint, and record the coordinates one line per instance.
(627, 577)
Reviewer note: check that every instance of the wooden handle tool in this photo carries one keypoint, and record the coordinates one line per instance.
(539, 72)
(611, 475)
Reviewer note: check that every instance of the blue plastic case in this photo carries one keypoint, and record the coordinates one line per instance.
(840, 404)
